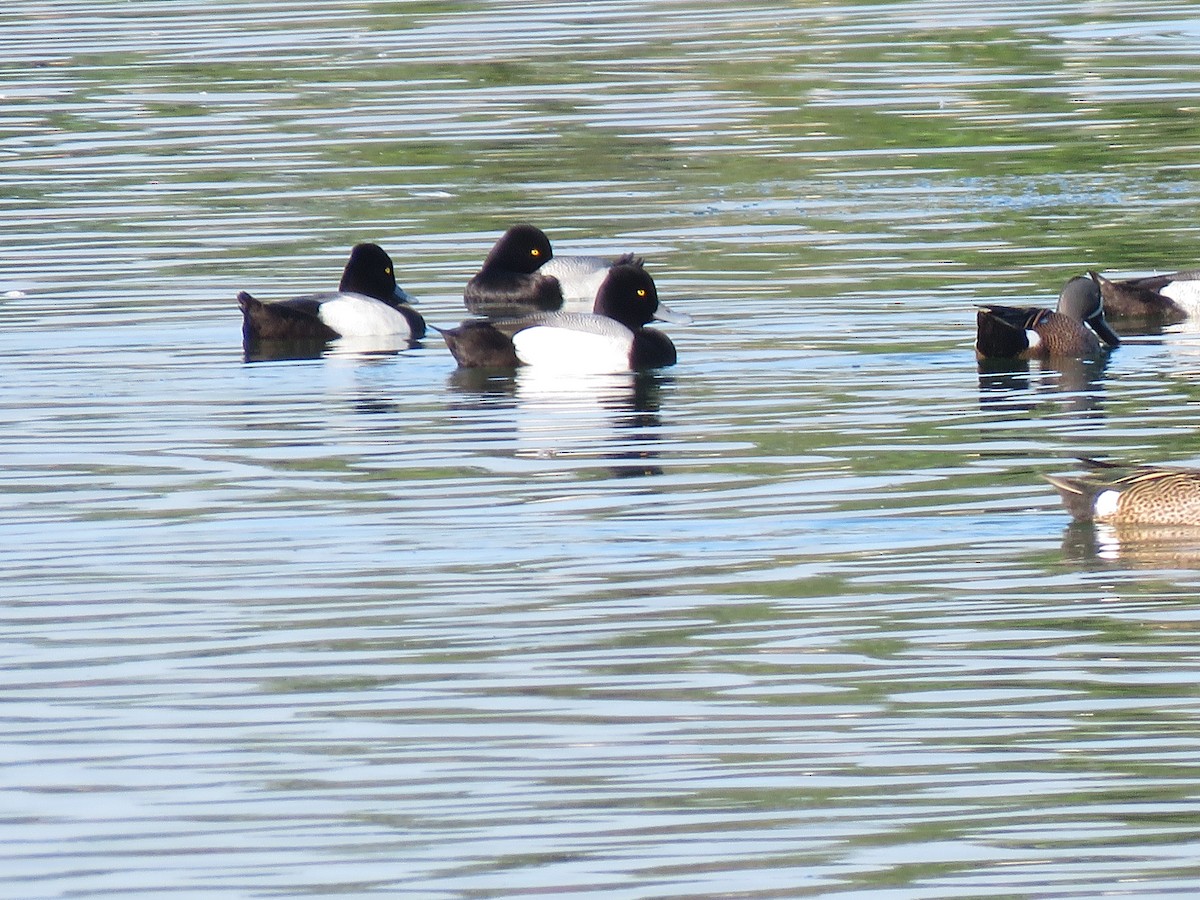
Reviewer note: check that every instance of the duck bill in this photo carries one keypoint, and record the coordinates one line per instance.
(403, 296)
(664, 313)
(1105, 333)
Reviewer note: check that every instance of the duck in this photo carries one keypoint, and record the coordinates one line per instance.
(1143, 495)
(611, 338)
(367, 303)
(522, 276)
(1077, 327)
(1160, 299)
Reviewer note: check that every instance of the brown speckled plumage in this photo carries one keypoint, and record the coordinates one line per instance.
(1149, 495)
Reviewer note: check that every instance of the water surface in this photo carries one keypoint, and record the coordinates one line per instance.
(796, 617)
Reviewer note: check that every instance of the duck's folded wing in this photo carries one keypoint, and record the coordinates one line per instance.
(295, 319)
(1022, 317)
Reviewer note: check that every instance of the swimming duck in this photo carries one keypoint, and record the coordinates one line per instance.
(521, 275)
(367, 303)
(1146, 495)
(1164, 299)
(1076, 329)
(610, 339)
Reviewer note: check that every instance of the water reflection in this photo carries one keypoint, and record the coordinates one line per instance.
(1137, 546)
(354, 622)
(566, 419)
(1073, 385)
(361, 348)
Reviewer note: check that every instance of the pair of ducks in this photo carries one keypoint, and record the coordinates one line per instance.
(1078, 328)
(1143, 495)
(579, 313)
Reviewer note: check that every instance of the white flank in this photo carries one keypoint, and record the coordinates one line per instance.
(1035, 339)
(574, 352)
(1106, 504)
(353, 315)
(1186, 294)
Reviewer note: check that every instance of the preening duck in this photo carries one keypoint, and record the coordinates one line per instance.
(1077, 328)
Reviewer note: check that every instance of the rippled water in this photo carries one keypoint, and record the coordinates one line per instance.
(795, 617)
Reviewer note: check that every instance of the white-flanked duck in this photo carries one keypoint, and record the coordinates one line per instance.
(612, 338)
(521, 275)
(367, 303)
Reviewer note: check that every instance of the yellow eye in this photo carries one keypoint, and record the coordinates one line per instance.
(535, 252)
(641, 292)
(387, 270)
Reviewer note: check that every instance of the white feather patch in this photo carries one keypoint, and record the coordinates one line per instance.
(1106, 504)
(1186, 294)
(354, 315)
(1035, 339)
(575, 351)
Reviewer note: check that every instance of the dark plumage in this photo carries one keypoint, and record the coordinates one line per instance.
(368, 302)
(521, 276)
(613, 338)
(297, 319)
(1076, 329)
(508, 284)
(481, 344)
(1155, 299)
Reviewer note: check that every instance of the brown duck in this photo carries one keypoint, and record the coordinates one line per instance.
(1075, 329)
(1143, 495)
(1158, 299)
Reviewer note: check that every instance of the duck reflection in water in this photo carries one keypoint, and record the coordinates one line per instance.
(360, 349)
(568, 420)
(1137, 546)
(1021, 385)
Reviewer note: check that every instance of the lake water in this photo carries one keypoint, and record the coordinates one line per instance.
(796, 617)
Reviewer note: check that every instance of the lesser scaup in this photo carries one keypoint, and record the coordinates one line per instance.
(368, 303)
(610, 339)
(521, 275)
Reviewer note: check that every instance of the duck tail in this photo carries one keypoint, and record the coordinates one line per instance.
(252, 316)
(280, 321)
(478, 344)
(996, 336)
(1077, 495)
